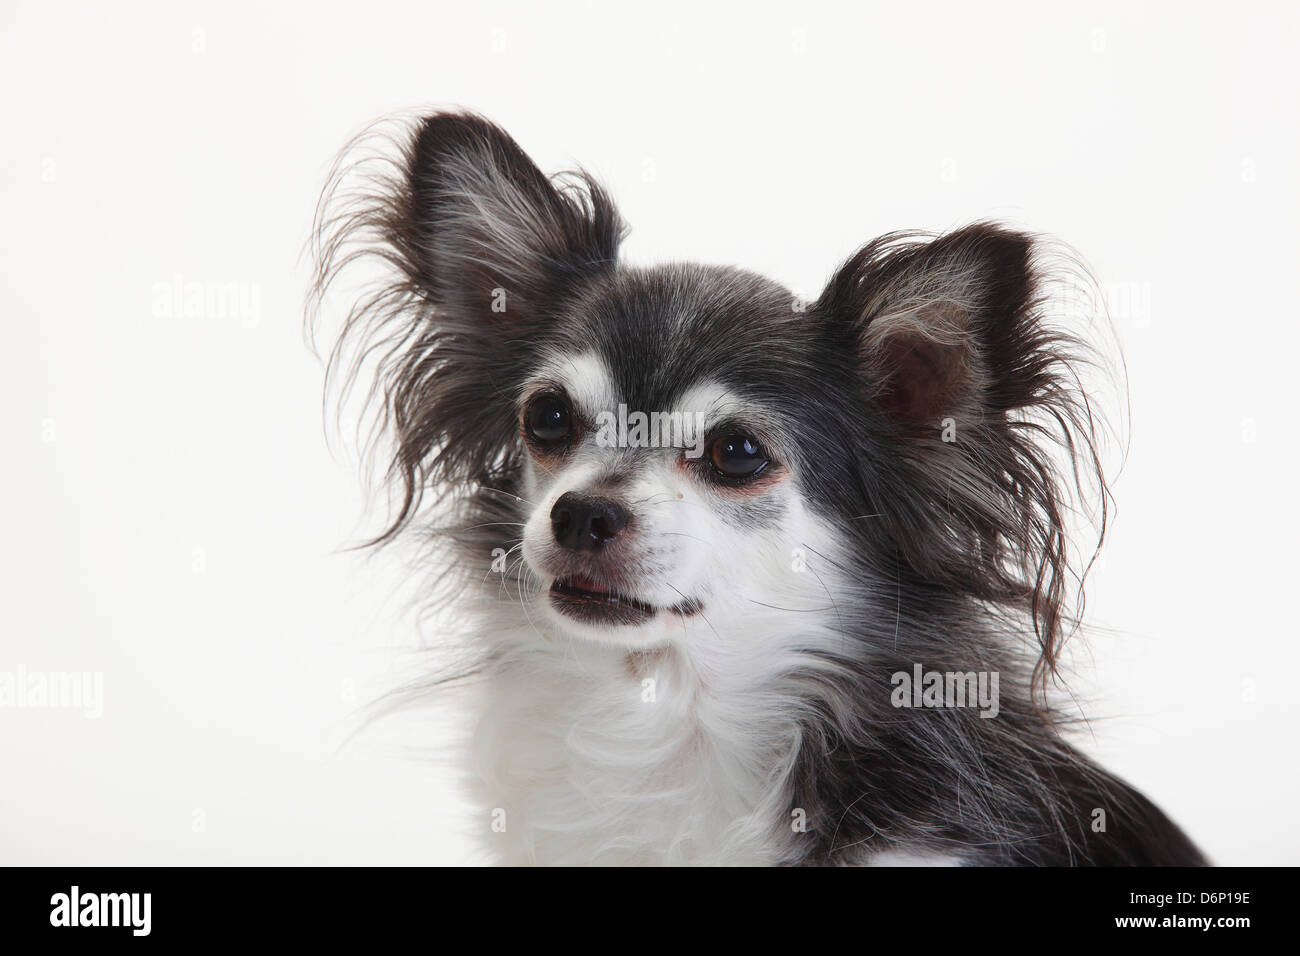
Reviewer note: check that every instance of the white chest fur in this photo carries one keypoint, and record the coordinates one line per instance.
(594, 756)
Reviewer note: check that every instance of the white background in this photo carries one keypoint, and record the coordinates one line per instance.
(172, 517)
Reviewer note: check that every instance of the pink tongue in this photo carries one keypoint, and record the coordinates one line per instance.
(586, 584)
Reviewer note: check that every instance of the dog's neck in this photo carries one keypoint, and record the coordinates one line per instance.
(684, 745)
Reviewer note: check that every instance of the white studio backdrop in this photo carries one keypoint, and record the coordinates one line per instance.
(174, 522)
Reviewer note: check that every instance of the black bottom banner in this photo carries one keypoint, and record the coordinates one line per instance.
(335, 906)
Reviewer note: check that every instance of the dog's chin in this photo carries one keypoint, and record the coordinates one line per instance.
(586, 609)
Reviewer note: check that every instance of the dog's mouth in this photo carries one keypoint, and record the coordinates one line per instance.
(589, 601)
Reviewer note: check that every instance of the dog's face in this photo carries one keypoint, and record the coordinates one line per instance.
(680, 440)
(664, 421)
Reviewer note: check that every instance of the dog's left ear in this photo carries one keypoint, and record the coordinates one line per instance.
(942, 328)
(970, 395)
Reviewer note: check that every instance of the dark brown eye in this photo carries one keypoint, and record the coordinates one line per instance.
(548, 419)
(737, 457)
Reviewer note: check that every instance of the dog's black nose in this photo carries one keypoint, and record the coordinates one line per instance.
(582, 523)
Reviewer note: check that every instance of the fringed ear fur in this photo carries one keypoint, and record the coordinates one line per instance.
(979, 398)
(479, 248)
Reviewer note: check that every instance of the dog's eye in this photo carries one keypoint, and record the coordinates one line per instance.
(548, 419)
(737, 456)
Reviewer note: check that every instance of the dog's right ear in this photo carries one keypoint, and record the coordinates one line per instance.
(482, 249)
(491, 234)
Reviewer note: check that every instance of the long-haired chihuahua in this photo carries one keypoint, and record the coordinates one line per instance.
(750, 579)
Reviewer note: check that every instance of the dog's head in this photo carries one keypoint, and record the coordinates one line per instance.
(681, 438)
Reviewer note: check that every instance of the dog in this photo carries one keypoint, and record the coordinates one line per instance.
(749, 579)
